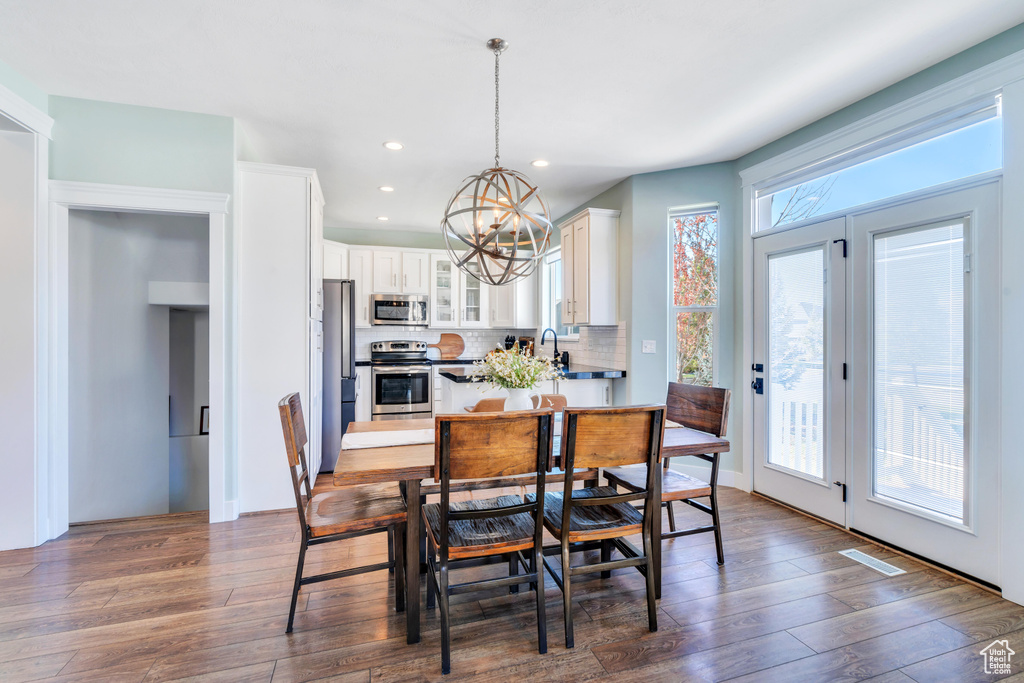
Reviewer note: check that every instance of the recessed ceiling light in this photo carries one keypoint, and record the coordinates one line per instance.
(386, 188)
(394, 145)
(539, 163)
(382, 218)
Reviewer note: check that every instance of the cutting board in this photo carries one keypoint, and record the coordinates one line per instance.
(451, 346)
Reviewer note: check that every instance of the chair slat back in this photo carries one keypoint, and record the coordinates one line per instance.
(705, 409)
(608, 437)
(294, 427)
(482, 445)
(488, 405)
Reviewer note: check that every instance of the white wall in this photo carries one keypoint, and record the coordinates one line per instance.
(119, 351)
(17, 338)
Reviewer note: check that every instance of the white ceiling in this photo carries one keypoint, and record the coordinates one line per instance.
(602, 88)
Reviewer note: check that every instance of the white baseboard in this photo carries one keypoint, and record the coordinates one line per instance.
(230, 510)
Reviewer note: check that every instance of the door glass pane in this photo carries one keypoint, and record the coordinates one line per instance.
(919, 368)
(443, 288)
(472, 290)
(796, 361)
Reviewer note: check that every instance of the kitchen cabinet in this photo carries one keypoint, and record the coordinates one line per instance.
(473, 299)
(457, 300)
(590, 268)
(400, 272)
(585, 393)
(278, 294)
(515, 305)
(364, 395)
(335, 260)
(387, 272)
(360, 270)
(415, 272)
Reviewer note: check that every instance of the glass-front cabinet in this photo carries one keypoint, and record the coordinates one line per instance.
(443, 292)
(456, 299)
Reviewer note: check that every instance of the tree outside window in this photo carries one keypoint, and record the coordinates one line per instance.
(694, 293)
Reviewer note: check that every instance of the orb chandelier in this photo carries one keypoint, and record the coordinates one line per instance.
(496, 225)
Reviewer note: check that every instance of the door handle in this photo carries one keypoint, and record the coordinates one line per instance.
(405, 280)
(757, 385)
(394, 279)
(839, 483)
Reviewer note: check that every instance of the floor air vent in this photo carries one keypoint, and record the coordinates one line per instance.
(868, 561)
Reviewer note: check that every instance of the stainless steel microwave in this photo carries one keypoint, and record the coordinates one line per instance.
(399, 309)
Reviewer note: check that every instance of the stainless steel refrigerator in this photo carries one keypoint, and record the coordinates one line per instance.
(339, 367)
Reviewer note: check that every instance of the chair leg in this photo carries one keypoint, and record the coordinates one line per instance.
(513, 570)
(718, 526)
(534, 563)
(446, 644)
(397, 536)
(671, 515)
(606, 556)
(537, 565)
(391, 548)
(431, 593)
(298, 582)
(567, 596)
(652, 607)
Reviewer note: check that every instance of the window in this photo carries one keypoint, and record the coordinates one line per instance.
(694, 303)
(551, 295)
(969, 146)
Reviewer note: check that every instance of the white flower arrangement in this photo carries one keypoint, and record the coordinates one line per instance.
(511, 369)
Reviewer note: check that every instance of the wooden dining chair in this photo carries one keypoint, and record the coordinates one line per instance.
(705, 409)
(469, 447)
(606, 437)
(340, 513)
(556, 402)
(487, 405)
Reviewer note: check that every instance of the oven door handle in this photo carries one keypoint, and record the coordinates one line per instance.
(401, 370)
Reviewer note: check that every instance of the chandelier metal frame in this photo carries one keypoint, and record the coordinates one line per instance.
(497, 220)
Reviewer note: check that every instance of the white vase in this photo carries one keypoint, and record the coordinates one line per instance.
(518, 399)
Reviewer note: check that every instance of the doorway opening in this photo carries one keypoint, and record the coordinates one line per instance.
(138, 339)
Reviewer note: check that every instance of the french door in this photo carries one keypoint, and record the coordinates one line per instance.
(800, 347)
(879, 372)
(924, 471)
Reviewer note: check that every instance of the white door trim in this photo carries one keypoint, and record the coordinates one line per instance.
(65, 196)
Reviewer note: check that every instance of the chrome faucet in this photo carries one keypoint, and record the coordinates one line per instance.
(554, 334)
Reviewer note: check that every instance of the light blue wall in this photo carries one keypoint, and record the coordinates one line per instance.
(383, 237)
(120, 144)
(22, 87)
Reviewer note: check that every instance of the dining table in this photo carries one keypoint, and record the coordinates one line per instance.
(411, 465)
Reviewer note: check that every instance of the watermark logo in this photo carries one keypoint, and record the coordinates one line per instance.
(997, 657)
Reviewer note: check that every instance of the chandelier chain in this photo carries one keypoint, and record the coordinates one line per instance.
(497, 156)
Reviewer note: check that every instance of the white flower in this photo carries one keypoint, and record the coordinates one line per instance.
(510, 369)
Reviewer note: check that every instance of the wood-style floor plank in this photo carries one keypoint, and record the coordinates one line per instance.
(174, 598)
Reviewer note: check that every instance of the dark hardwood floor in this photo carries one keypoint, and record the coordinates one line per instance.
(173, 597)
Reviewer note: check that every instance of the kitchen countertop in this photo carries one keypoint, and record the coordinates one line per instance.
(462, 375)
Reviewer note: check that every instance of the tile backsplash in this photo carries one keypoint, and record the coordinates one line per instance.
(603, 347)
(478, 342)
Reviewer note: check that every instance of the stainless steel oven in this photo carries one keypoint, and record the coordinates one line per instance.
(399, 309)
(400, 380)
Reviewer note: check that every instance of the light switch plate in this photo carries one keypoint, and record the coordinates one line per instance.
(648, 346)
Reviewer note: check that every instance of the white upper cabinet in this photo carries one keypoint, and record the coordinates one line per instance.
(474, 297)
(415, 272)
(515, 305)
(590, 268)
(444, 292)
(360, 269)
(335, 260)
(387, 272)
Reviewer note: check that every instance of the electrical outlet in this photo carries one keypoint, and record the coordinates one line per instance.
(648, 346)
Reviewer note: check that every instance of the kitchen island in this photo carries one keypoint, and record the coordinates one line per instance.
(582, 385)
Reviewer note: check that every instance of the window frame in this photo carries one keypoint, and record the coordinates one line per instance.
(547, 304)
(673, 309)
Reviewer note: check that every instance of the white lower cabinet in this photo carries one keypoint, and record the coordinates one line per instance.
(585, 393)
(364, 395)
